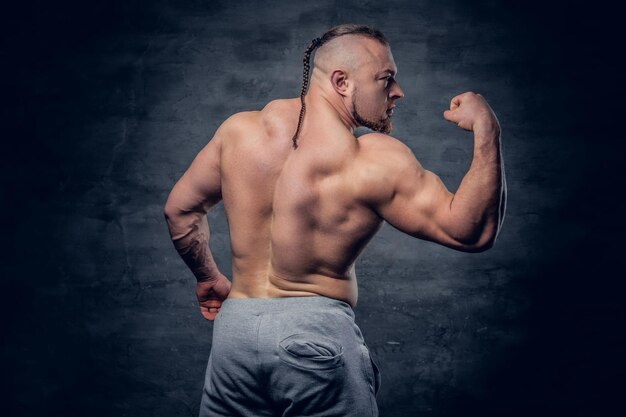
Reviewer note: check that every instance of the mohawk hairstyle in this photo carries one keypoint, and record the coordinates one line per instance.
(335, 32)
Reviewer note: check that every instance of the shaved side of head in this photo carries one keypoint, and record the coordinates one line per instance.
(346, 52)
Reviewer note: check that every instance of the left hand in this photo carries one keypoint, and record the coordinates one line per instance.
(211, 294)
(470, 111)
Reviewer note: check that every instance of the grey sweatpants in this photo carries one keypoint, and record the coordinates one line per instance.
(288, 357)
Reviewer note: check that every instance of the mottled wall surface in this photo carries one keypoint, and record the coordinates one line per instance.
(106, 104)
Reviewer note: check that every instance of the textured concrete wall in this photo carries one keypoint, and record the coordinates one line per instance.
(106, 104)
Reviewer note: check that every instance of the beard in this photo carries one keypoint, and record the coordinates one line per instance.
(381, 126)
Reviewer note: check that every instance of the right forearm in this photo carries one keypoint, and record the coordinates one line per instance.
(190, 235)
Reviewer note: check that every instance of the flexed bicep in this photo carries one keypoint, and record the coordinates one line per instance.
(411, 198)
(420, 205)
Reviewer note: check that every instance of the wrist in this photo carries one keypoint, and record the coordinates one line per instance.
(487, 128)
(206, 276)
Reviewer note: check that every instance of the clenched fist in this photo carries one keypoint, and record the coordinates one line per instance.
(470, 111)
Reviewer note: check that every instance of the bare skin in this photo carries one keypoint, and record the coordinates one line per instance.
(299, 218)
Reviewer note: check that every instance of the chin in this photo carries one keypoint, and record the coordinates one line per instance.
(384, 126)
(381, 125)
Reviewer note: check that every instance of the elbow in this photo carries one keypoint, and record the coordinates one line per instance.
(178, 224)
(173, 208)
(480, 246)
(173, 213)
(478, 242)
(169, 212)
(476, 247)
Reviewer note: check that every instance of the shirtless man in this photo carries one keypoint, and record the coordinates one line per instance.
(300, 209)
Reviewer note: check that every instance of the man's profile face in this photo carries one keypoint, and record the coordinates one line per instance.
(376, 90)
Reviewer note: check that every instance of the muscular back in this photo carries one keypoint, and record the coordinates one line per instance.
(297, 217)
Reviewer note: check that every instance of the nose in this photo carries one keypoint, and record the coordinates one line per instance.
(396, 92)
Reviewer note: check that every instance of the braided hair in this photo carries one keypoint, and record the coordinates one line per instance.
(305, 85)
(335, 32)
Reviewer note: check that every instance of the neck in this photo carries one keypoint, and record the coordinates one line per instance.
(319, 100)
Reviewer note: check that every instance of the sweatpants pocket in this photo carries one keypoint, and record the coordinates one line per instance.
(311, 351)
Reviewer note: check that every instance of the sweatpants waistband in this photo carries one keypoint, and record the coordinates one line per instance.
(305, 303)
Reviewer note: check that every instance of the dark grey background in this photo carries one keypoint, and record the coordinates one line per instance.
(105, 103)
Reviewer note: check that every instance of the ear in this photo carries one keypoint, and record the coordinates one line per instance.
(340, 82)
